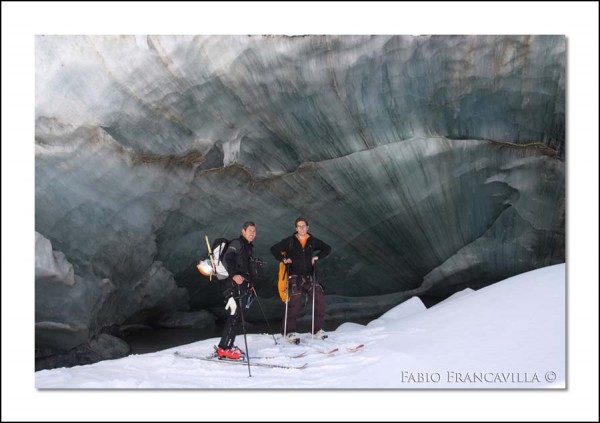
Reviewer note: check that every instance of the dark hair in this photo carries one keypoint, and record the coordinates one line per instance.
(248, 223)
(300, 219)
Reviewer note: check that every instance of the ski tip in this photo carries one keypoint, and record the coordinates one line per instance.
(328, 352)
(355, 348)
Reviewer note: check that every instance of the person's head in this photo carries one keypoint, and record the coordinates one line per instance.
(301, 226)
(249, 231)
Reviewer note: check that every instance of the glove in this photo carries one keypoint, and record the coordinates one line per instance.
(231, 306)
(249, 298)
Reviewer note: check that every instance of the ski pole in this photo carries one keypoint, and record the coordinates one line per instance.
(287, 285)
(244, 330)
(313, 299)
(263, 313)
(212, 259)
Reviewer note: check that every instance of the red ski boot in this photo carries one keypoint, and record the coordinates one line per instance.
(229, 353)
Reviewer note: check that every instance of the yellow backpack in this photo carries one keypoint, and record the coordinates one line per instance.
(282, 281)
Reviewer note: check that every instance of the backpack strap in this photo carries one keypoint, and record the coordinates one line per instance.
(224, 244)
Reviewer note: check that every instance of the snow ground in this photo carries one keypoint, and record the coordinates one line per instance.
(507, 335)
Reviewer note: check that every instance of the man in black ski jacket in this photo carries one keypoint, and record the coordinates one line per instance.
(300, 252)
(238, 260)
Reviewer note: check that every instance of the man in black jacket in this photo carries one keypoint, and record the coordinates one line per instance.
(238, 262)
(300, 252)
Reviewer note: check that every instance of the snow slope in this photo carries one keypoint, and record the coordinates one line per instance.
(507, 335)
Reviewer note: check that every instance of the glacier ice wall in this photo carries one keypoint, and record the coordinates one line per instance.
(429, 163)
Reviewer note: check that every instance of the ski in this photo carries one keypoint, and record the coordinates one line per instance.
(269, 357)
(332, 351)
(328, 346)
(356, 348)
(240, 362)
(327, 352)
(321, 346)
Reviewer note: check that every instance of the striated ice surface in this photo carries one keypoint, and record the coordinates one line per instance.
(430, 164)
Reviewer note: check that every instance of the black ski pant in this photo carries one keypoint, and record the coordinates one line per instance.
(238, 291)
(297, 286)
